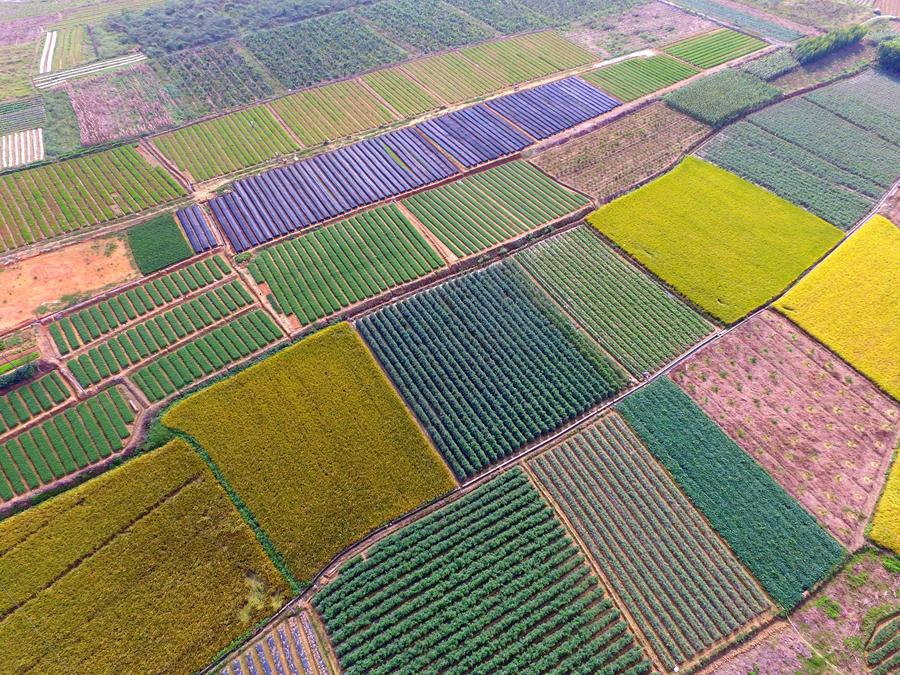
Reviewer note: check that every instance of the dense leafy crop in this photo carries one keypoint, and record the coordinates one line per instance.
(819, 46)
(488, 583)
(784, 546)
(157, 243)
(427, 25)
(722, 97)
(883, 650)
(772, 65)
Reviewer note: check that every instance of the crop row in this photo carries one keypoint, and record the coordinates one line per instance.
(30, 400)
(49, 200)
(685, 588)
(89, 324)
(722, 97)
(280, 650)
(883, 650)
(401, 92)
(453, 77)
(71, 440)
(490, 583)
(751, 22)
(22, 115)
(207, 354)
(630, 316)
(487, 364)
(633, 78)
(334, 267)
(143, 340)
(21, 147)
(474, 135)
(711, 49)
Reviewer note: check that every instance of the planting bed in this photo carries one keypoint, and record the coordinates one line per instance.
(870, 101)
(290, 646)
(684, 587)
(767, 529)
(725, 244)
(452, 77)
(883, 650)
(401, 92)
(474, 135)
(632, 318)
(822, 431)
(528, 57)
(328, 269)
(507, 16)
(487, 364)
(722, 97)
(849, 303)
(225, 144)
(153, 552)
(24, 403)
(21, 147)
(22, 115)
(50, 200)
(711, 49)
(331, 112)
(637, 146)
(317, 444)
(631, 79)
(427, 25)
(491, 581)
(196, 228)
(64, 443)
(488, 208)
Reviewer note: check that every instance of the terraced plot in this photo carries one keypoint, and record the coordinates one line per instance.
(425, 599)
(488, 208)
(211, 352)
(401, 92)
(636, 321)
(711, 49)
(631, 79)
(24, 403)
(225, 144)
(51, 200)
(822, 431)
(528, 57)
(781, 544)
(87, 325)
(453, 77)
(682, 584)
(337, 266)
(487, 364)
(64, 443)
(331, 112)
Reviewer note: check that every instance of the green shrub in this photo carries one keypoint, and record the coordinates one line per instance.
(814, 48)
(158, 243)
(889, 55)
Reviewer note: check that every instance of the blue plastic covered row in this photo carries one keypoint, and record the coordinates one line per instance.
(474, 135)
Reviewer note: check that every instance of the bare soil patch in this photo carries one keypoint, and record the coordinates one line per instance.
(891, 208)
(825, 433)
(844, 61)
(777, 651)
(52, 281)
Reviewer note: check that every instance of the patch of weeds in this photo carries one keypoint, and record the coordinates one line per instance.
(829, 607)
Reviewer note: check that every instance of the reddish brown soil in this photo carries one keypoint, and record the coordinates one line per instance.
(891, 207)
(777, 651)
(822, 431)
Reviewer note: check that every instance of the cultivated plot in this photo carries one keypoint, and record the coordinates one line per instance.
(528, 57)
(427, 25)
(633, 78)
(290, 646)
(722, 97)
(401, 92)
(711, 49)
(452, 77)
(886, 523)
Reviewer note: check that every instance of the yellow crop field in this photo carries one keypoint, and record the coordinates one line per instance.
(886, 524)
(850, 303)
(722, 242)
(148, 568)
(317, 444)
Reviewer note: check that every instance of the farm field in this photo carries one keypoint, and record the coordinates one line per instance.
(464, 355)
(401, 92)
(290, 646)
(886, 522)
(452, 77)
(331, 112)
(772, 66)
(99, 559)
(782, 545)
(58, 79)
(323, 423)
(21, 147)
(744, 247)
(157, 243)
(831, 67)
(69, 48)
(51, 200)
(423, 599)
(849, 303)
(883, 650)
(711, 49)
(623, 153)
(226, 144)
(427, 25)
(22, 404)
(14, 68)
(779, 649)
(64, 443)
(722, 97)
(22, 115)
(332, 268)
(632, 318)
(631, 79)
(822, 431)
(486, 209)
(473, 136)
(684, 587)
(504, 15)
(744, 19)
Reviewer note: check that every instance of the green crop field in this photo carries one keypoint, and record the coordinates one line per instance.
(722, 97)
(51, 200)
(631, 79)
(87, 325)
(24, 403)
(401, 92)
(682, 584)
(158, 243)
(725, 244)
(334, 267)
(64, 443)
(507, 16)
(467, 353)
(143, 340)
(452, 77)
(528, 57)
(211, 352)
(489, 582)
(225, 144)
(638, 322)
(783, 545)
(488, 208)
(427, 25)
(711, 49)
(331, 112)
(70, 48)
(317, 444)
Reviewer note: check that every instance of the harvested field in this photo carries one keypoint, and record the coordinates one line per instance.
(779, 650)
(21, 147)
(152, 552)
(606, 162)
(69, 48)
(452, 77)
(711, 49)
(822, 431)
(401, 92)
(528, 57)
(51, 281)
(883, 650)
(849, 303)
(631, 79)
(17, 31)
(331, 112)
(316, 442)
